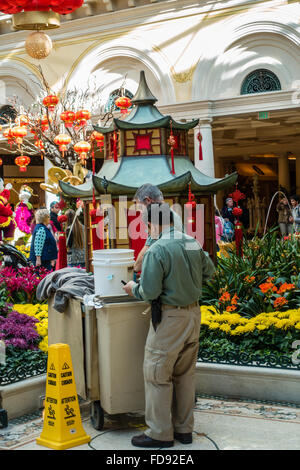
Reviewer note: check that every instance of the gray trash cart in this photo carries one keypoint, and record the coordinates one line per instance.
(107, 348)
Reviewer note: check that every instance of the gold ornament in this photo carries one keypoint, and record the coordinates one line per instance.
(38, 45)
(56, 174)
(35, 20)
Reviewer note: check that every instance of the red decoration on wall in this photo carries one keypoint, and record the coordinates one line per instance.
(142, 142)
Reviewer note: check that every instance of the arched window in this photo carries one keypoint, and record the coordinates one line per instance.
(7, 114)
(110, 105)
(260, 81)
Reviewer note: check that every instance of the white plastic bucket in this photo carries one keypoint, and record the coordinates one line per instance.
(110, 268)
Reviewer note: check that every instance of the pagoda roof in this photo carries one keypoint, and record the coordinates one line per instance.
(126, 176)
(144, 114)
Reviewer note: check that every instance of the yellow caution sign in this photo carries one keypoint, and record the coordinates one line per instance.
(62, 421)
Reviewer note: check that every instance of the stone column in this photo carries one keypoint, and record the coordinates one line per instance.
(219, 173)
(298, 174)
(284, 172)
(206, 165)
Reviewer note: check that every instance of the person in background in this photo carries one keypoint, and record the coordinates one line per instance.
(54, 210)
(227, 211)
(218, 228)
(295, 217)
(173, 271)
(146, 195)
(43, 250)
(284, 217)
(75, 240)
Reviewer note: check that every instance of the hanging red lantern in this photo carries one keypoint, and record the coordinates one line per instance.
(18, 132)
(22, 120)
(45, 122)
(68, 117)
(99, 138)
(63, 8)
(39, 144)
(50, 102)
(82, 148)
(66, 7)
(123, 103)
(81, 117)
(22, 161)
(8, 135)
(1, 161)
(62, 140)
(9, 8)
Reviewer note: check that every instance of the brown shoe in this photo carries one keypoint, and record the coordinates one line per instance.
(145, 441)
(184, 438)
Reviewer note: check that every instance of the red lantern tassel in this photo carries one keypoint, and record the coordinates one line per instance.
(199, 137)
(115, 148)
(172, 160)
(238, 235)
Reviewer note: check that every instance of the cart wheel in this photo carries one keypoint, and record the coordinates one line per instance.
(97, 416)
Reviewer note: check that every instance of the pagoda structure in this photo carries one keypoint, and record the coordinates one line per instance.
(148, 147)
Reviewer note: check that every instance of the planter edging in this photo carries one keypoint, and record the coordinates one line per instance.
(257, 383)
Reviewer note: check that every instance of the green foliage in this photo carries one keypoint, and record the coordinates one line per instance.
(264, 258)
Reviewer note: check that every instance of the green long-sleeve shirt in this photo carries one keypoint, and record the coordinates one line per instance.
(174, 268)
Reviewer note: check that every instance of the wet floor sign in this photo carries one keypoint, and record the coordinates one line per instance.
(62, 421)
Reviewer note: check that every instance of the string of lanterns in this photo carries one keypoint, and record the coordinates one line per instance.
(76, 120)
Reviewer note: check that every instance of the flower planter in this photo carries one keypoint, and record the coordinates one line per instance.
(23, 397)
(256, 383)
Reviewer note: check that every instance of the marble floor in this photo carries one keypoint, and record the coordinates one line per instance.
(220, 424)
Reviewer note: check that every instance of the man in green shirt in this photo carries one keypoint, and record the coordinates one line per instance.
(173, 270)
(148, 194)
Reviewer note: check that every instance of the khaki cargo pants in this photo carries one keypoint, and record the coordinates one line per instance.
(169, 372)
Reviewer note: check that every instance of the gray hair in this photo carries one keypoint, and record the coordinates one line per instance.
(150, 191)
(41, 216)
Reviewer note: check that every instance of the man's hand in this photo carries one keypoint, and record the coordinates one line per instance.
(128, 288)
(38, 261)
